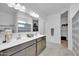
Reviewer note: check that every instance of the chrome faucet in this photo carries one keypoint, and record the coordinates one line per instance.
(19, 36)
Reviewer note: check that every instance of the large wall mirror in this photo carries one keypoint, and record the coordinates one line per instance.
(24, 22)
(24, 26)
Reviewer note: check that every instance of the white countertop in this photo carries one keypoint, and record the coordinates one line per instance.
(15, 42)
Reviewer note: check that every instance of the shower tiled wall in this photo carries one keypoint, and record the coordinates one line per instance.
(75, 33)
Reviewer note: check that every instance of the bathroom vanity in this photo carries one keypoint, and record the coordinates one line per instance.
(24, 47)
(20, 22)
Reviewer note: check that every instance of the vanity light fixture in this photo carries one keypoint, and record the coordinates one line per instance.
(17, 6)
(11, 4)
(22, 8)
(33, 14)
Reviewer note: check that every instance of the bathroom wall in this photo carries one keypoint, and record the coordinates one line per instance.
(42, 25)
(7, 15)
(7, 18)
(53, 21)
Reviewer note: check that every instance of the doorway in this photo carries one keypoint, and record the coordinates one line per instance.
(64, 29)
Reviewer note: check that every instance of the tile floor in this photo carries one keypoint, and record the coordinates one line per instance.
(56, 50)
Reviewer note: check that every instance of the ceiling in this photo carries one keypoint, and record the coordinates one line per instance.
(6, 9)
(43, 9)
(46, 9)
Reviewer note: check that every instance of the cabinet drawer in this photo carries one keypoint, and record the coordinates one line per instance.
(17, 48)
(39, 39)
(20, 53)
(43, 44)
(31, 51)
(39, 47)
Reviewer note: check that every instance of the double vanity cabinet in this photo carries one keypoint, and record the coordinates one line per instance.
(30, 48)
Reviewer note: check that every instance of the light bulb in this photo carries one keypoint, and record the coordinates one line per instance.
(23, 8)
(17, 6)
(11, 4)
(33, 14)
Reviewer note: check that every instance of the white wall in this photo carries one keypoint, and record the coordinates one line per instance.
(53, 21)
(7, 15)
(6, 19)
(64, 20)
(42, 25)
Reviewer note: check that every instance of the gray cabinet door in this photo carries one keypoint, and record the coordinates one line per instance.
(43, 43)
(31, 51)
(20, 53)
(39, 47)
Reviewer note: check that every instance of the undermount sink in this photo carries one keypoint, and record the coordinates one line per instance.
(30, 35)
